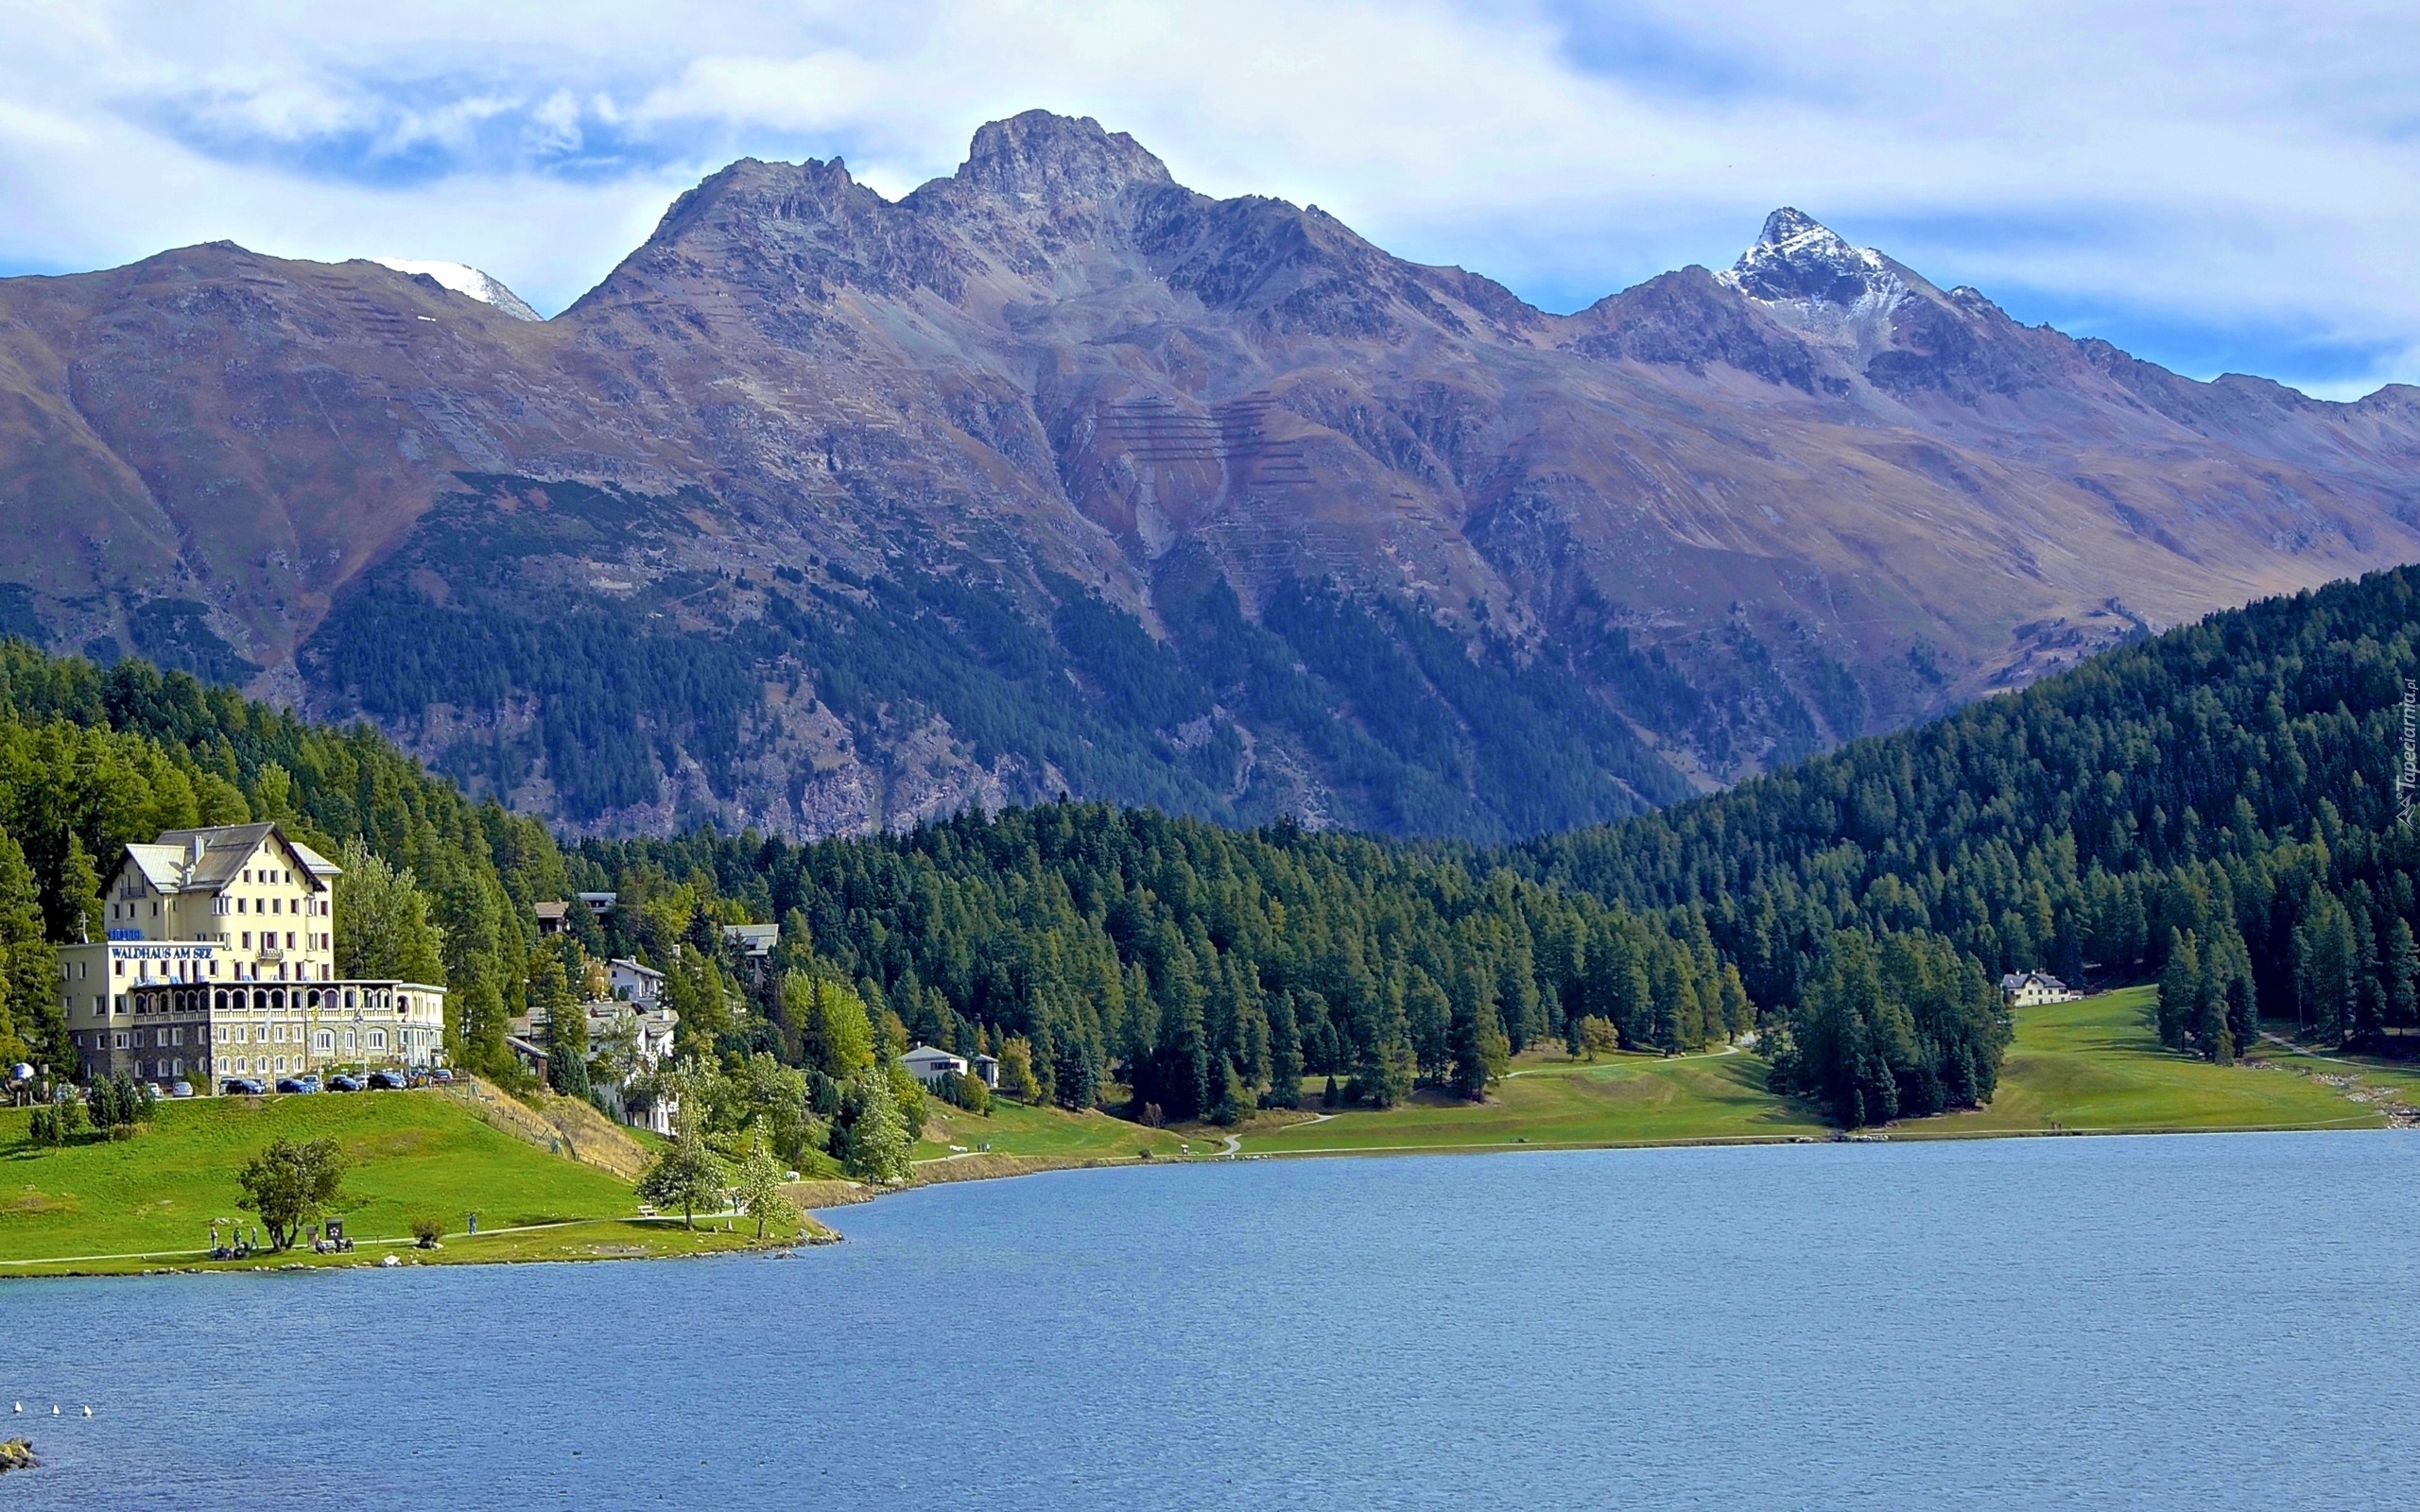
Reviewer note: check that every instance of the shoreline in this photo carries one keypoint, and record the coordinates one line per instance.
(814, 1232)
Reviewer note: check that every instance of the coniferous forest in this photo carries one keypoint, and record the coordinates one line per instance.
(2215, 808)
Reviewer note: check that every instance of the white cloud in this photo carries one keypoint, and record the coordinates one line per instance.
(2222, 179)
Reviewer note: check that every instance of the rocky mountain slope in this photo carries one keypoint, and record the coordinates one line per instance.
(825, 512)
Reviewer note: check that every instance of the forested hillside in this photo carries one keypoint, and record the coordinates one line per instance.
(1204, 965)
(2219, 807)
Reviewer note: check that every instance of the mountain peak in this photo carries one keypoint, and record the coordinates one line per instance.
(1057, 159)
(1798, 258)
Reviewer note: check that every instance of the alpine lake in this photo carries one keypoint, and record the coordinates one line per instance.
(2221, 1321)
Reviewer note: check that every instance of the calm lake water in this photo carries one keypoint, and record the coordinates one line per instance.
(2182, 1322)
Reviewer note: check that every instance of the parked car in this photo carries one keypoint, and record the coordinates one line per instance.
(298, 1084)
(342, 1083)
(182, 1089)
(242, 1087)
(381, 1081)
(442, 1077)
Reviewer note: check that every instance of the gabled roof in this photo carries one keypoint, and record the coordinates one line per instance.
(625, 964)
(929, 1053)
(758, 939)
(169, 866)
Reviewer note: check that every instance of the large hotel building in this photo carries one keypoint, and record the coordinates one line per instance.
(221, 962)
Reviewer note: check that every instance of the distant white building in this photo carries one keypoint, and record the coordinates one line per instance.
(640, 986)
(2023, 989)
(930, 1065)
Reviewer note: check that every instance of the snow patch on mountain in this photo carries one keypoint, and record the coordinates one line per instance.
(1811, 279)
(466, 280)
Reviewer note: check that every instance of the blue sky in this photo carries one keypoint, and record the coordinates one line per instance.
(2212, 186)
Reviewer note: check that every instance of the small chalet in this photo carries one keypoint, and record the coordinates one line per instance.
(2023, 989)
(930, 1065)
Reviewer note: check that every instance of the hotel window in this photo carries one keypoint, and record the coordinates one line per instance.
(121, 1039)
(325, 1042)
(377, 1038)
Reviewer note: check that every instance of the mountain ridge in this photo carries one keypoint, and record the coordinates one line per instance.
(825, 512)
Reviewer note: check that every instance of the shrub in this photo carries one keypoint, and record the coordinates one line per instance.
(964, 1090)
(427, 1231)
(57, 1123)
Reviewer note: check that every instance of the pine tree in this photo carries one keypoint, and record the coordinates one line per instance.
(2181, 989)
(1285, 1053)
(566, 1023)
(2402, 967)
(31, 1014)
(2323, 964)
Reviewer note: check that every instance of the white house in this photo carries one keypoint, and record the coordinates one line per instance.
(641, 987)
(930, 1065)
(2023, 989)
(651, 1030)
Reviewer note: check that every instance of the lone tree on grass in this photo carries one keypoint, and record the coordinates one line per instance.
(290, 1183)
(760, 1183)
(872, 1139)
(687, 1176)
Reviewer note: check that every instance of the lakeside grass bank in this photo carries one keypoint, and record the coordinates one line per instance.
(549, 1182)
(552, 1182)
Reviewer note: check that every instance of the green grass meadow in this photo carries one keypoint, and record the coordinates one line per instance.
(2096, 1066)
(1040, 1133)
(412, 1153)
(2092, 1066)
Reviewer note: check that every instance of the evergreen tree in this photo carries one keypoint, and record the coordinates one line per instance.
(2182, 989)
(2402, 969)
(28, 969)
(2323, 964)
(1285, 1053)
(566, 1023)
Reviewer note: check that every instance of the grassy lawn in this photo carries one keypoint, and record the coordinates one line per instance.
(1044, 1133)
(413, 1153)
(2096, 1065)
(1551, 1100)
(2087, 1066)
